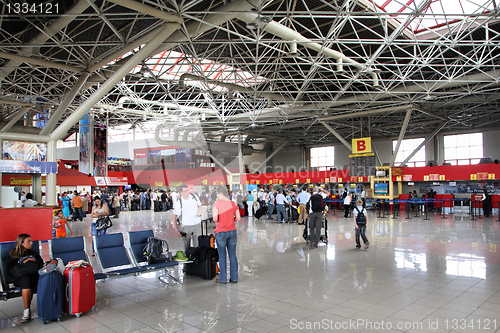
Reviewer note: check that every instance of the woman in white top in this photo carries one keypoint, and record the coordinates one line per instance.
(98, 210)
(347, 204)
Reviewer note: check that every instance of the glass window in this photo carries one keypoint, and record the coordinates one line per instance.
(463, 149)
(407, 147)
(322, 157)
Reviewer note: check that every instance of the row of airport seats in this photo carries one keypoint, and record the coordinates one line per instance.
(113, 257)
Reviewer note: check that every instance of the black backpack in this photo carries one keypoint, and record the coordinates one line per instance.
(360, 218)
(156, 250)
(316, 203)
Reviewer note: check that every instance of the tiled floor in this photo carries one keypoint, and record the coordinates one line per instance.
(436, 275)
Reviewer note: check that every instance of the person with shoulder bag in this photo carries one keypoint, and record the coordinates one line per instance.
(188, 212)
(100, 210)
(360, 220)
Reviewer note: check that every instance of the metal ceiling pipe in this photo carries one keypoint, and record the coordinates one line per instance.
(426, 141)
(286, 33)
(337, 135)
(60, 23)
(17, 103)
(150, 10)
(400, 137)
(368, 112)
(192, 29)
(40, 62)
(162, 33)
(235, 87)
(15, 118)
(25, 137)
(167, 106)
(68, 98)
(217, 147)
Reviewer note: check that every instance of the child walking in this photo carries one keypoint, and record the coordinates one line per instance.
(360, 220)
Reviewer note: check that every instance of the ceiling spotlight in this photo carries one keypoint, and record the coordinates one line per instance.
(252, 26)
(264, 19)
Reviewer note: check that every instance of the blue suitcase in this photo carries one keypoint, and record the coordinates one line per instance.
(50, 296)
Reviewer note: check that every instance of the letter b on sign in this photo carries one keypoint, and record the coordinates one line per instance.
(361, 145)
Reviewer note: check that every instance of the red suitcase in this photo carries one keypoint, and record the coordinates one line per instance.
(80, 289)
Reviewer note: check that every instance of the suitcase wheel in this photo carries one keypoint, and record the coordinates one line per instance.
(78, 315)
(44, 322)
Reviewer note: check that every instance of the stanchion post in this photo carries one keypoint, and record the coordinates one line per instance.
(442, 201)
(425, 210)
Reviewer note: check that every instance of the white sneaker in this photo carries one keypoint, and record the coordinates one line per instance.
(26, 316)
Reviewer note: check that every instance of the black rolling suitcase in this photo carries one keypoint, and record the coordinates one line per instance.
(204, 262)
(204, 257)
(261, 211)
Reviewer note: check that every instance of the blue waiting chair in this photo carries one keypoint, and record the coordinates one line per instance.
(7, 281)
(71, 249)
(112, 256)
(137, 242)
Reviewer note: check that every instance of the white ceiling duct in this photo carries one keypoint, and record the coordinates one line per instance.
(294, 37)
(235, 87)
(216, 147)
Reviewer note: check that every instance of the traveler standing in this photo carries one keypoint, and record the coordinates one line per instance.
(249, 199)
(188, 209)
(100, 209)
(270, 204)
(316, 206)
(303, 199)
(486, 203)
(347, 204)
(226, 214)
(280, 206)
(77, 207)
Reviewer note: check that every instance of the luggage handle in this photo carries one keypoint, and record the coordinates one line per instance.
(206, 227)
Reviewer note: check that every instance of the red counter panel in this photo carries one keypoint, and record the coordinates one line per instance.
(36, 221)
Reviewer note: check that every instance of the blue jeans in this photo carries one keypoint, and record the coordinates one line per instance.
(281, 212)
(96, 233)
(226, 241)
(361, 231)
(270, 208)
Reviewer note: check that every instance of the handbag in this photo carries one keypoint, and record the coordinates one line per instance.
(103, 222)
(22, 269)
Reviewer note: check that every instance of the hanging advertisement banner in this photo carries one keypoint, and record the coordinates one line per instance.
(100, 152)
(24, 151)
(84, 160)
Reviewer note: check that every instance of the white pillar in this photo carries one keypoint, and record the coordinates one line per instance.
(50, 185)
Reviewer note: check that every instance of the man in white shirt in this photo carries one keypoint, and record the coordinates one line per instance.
(188, 209)
(303, 199)
(29, 202)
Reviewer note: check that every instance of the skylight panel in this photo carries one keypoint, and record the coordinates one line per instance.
(435, 14)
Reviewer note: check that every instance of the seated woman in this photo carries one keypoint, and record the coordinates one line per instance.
(60, 225)
(23, 264)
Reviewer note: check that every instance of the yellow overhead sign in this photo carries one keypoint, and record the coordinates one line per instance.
(362, 145)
